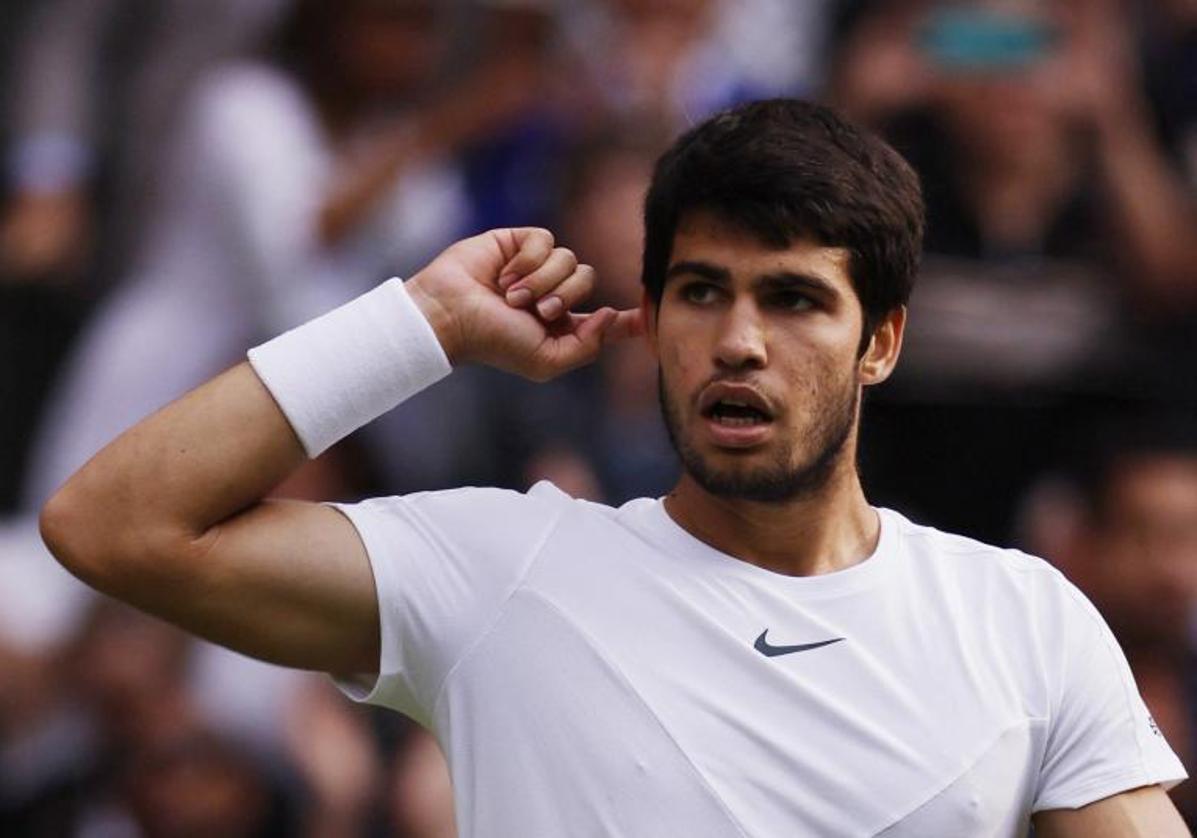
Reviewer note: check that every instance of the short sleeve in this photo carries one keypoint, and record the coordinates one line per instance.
(444, 564)
(1101, 739)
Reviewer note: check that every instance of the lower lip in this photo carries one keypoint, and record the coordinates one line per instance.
(737, 436)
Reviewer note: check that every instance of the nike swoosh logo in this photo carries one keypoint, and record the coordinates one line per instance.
(770, 651)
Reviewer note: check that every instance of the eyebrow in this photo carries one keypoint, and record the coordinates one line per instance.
(777, 280)
(702, 269)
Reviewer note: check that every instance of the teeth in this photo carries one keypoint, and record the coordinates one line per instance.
(737, 421)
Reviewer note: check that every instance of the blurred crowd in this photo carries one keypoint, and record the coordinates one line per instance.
(181, 180)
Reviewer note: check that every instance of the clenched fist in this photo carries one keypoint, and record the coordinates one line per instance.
(505, 298)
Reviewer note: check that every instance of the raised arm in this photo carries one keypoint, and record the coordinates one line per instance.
(171, 518)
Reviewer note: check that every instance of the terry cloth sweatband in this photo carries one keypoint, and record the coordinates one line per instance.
(346, 368)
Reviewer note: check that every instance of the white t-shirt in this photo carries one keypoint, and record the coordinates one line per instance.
(596, 671)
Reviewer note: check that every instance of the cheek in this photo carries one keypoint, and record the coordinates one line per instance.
(679, 371)
(678, 351)
(813, 377)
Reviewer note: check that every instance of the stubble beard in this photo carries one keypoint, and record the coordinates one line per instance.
(784, 479)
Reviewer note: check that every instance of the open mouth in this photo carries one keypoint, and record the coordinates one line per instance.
(736, 414)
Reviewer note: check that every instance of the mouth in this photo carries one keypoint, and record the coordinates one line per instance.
(733, 414)
(735, 405)
(737, 416)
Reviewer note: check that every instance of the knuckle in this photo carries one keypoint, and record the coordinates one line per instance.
(574, 292)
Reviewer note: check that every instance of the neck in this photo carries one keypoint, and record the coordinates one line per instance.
(828, 530)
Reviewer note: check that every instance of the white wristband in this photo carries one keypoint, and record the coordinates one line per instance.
(346, 368)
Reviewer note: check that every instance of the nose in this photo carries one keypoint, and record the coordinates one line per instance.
(741, 343)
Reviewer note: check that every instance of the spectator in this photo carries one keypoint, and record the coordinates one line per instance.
(292, 184)
(675, 61)
(626, 439)
(95, 88)
(120, 700)
(70, 157)
(1134, 553)
(1172, 73)
(421, 797)
(1057, 229)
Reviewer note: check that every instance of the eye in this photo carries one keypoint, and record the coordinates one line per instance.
(791, 300)
(699, 292)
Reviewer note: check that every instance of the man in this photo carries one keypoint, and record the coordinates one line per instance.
(759, 653)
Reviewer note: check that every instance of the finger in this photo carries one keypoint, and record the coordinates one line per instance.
(607, 325)
(581, 345)
(535, 245)
(626, 324)
(555, 269)
(586, 335)
(573, 289)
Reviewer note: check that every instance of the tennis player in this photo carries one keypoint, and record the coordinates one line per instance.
(759, 653)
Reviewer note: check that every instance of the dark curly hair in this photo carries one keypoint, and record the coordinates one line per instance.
(784, 169)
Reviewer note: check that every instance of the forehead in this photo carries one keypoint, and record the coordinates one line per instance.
(705, 237)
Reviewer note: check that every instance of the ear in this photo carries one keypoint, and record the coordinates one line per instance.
(881, 355)
(648, 311)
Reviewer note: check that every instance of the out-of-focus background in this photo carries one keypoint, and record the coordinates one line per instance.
(182, 179)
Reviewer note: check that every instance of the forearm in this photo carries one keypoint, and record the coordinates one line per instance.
(1155, 217)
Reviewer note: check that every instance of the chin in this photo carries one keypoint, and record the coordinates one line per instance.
(789, 463)
(762, 480)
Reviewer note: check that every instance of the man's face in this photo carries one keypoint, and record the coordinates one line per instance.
(1144, 549)
(758, 348)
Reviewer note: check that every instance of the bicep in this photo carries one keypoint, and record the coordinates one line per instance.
(1145, 811)
(285, 581)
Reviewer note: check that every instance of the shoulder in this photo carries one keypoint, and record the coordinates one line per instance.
(1013, 611)
(1001, 579)
(928, 546)
(476, 516)
(542, 496)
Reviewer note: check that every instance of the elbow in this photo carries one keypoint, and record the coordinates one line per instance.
(96, 539)
(68, 534)
(87, 538)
